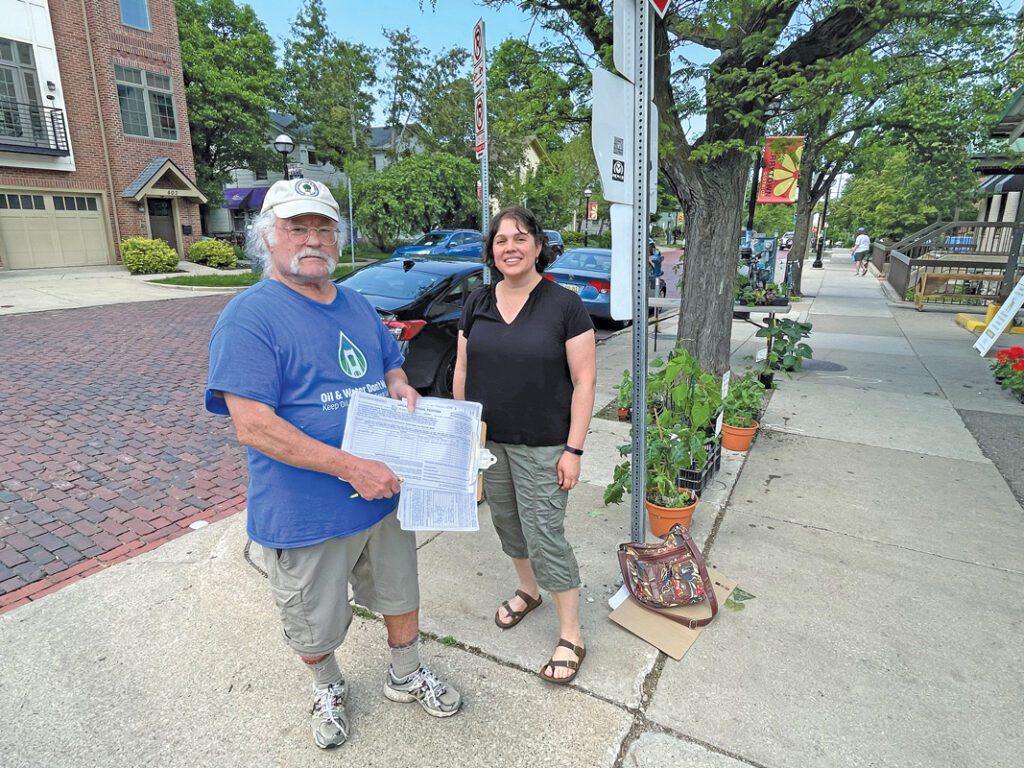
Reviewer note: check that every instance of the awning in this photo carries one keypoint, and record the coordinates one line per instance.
(256, 198)
(235, 197)
(1006, 182)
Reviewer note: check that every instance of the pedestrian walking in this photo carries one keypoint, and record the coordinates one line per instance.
(527, 352)
(285, 357)
(861, 251)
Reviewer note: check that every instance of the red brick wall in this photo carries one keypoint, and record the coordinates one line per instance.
(112, 42)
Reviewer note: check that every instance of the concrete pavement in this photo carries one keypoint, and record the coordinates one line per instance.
(882, 546)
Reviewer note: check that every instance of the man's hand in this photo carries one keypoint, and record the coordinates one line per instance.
(568, 471)
(373, 480)
(402, 389)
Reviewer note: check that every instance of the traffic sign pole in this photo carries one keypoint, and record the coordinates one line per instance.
(480, 122)
(642, 65)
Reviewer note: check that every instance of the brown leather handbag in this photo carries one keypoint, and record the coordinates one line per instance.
(668, 575)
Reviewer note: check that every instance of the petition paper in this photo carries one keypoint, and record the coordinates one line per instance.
(434, 450)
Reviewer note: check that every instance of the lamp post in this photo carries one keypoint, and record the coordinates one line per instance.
(817, 263)
(284, 144)
(586, 215)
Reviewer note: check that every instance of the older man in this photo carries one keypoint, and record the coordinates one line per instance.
(285, 357)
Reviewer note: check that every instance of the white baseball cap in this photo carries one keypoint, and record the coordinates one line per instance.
(296, 197)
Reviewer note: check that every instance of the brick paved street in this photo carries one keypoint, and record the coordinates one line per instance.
(105, 447)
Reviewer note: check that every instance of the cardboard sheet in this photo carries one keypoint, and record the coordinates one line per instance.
(664, 634)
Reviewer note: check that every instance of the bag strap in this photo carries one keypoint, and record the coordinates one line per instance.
(702, 570)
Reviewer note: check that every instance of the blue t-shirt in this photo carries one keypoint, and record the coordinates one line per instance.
(304, 359)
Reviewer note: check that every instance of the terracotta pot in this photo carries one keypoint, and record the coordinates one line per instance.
(624, 414)
(663, 518)
(738, 438)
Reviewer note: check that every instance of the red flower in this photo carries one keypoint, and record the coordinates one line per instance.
(1014, 352)
(1019, 366)
(1003, 356)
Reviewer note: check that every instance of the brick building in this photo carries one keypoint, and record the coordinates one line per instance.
(94, 137)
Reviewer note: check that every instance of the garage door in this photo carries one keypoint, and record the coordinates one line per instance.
(50, 230)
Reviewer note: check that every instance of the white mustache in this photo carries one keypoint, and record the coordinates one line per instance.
(316, 253)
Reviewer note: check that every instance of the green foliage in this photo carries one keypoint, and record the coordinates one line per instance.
(231, 81)
(142, 256)
(215, 253)
(329, 86)
(419, 192)
(744, 398)
(787, 350)
(624, 392)
(682, 400)
(575, 240)
(773, 220)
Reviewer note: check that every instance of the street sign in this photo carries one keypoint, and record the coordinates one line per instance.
(660, 6)
(623, 22)
(1002, 319)
(479, 74)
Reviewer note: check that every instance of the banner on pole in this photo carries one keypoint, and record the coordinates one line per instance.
(592, 211)
(781, 169)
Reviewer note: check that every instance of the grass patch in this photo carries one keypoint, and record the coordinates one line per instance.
(363, 613)
(239, 280)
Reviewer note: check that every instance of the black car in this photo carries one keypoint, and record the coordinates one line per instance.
(420, 300)
(555, 241)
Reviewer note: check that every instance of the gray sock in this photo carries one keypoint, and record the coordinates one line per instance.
(325, 672)
(405, 659)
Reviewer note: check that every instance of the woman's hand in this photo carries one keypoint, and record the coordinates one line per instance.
(568, 470)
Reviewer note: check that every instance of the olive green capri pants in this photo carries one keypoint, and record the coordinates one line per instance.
(528, 511)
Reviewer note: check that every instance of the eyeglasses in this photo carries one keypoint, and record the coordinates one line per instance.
(299, 234)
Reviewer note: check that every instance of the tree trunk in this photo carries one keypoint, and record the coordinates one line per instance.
(799, 253)
(713, 204)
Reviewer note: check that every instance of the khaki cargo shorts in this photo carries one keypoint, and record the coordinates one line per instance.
(310, 584)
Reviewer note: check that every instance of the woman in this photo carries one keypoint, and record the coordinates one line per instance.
(527, 352)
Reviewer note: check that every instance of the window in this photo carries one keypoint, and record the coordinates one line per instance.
(21, 114)
(147, 103)
(260, 175)
(22, 202)
(73, 203)
(135, 13)
(311, 157)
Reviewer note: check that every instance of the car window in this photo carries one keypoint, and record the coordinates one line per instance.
(391, 282)
(457, 239)
(431, 238)
(456, 295)
(473, 237)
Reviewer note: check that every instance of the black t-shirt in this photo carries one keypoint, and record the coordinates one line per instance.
(519, 371)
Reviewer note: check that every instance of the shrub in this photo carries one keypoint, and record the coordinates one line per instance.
(143, 256)
(216, 253)
(575, 240)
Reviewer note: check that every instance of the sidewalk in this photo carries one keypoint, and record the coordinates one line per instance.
(883, 548)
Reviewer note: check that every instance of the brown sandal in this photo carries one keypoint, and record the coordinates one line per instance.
(581, 654)
(516, 616)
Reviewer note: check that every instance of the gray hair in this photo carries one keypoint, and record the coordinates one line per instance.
(262, 236)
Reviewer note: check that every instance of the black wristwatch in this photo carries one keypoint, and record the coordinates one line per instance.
(574, 451)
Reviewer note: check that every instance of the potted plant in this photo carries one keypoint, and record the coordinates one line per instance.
(681, 399)
(1005, 359)
(786, 351)
(625, 396)
(742, 407)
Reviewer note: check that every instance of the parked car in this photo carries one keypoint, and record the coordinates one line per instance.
(420, 300)
(460, 243)
(555, 241)
(787, 240)
(586, 271)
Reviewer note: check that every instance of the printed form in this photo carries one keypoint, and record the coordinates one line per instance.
(434, 450)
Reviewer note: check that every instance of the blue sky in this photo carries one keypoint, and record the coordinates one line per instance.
(361, 21)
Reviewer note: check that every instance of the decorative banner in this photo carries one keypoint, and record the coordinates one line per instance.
(781, 169)
(592, 211)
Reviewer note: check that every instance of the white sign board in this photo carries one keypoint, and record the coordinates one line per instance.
(612, 136)
(479, 75)
(1002, 319)
(623, 32)
(725, 383)
(621, 291)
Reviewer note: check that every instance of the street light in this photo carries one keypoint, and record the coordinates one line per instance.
(284, 144)
(586, 215)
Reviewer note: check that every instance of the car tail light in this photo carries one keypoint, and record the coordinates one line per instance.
(549, 277)
(602, 286)
(403, 330)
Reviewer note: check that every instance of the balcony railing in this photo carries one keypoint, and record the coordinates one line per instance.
(32, 129)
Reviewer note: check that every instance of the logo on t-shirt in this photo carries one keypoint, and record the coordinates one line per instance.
(350, 357)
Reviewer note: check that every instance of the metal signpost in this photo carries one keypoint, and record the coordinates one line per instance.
(480, 121)
(625, 136)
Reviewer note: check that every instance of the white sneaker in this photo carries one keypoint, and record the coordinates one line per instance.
(329, 721)
(436, 698)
